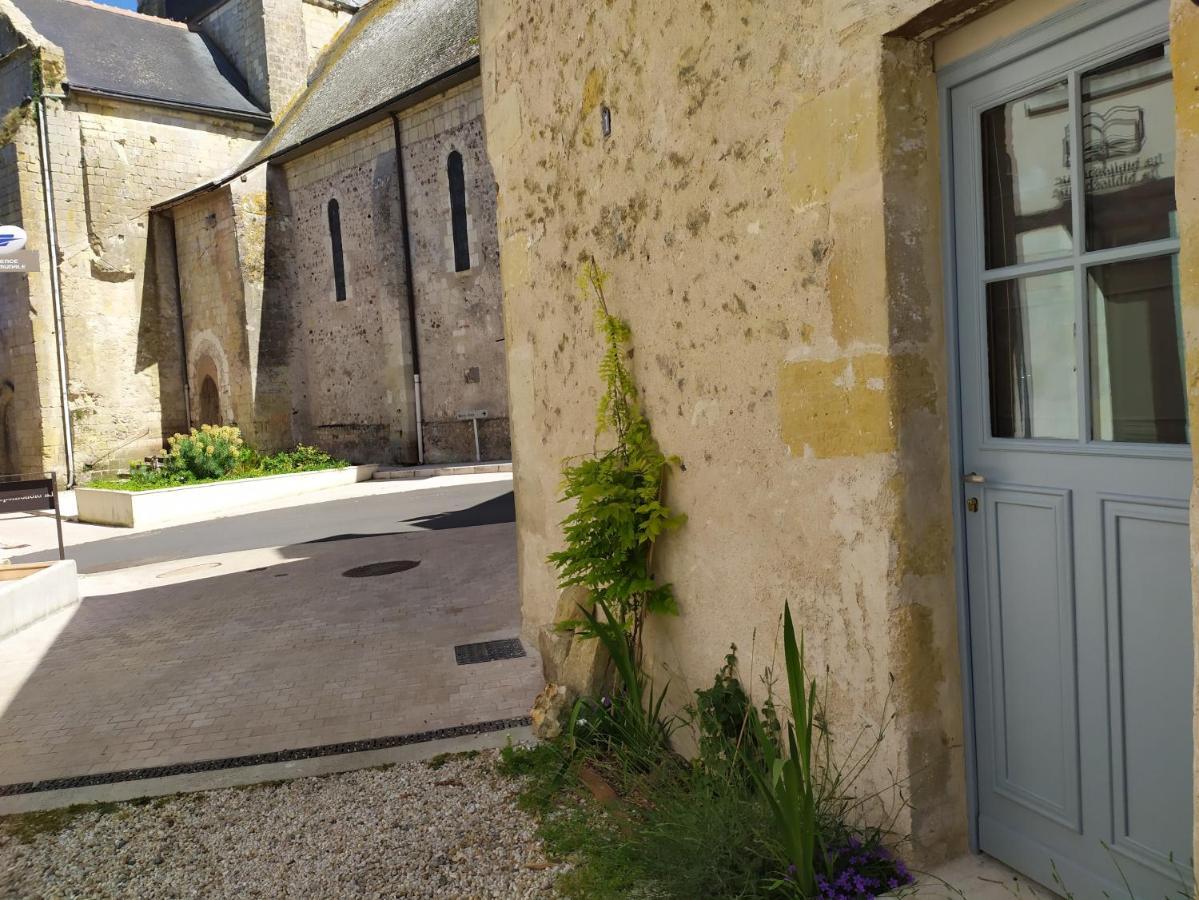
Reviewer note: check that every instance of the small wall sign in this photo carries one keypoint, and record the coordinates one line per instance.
(13, 255)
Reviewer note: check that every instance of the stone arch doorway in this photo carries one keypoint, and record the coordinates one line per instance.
(210, 402)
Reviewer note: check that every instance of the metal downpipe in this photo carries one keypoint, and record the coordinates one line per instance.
(411, 285)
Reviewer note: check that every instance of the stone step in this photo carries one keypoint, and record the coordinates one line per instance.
(388, 473)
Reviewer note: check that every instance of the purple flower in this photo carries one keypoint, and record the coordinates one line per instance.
(606, 702)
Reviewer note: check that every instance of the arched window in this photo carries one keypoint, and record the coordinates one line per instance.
(458, 212)
(339, 262)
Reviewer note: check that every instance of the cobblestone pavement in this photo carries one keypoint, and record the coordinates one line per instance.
(266, 650)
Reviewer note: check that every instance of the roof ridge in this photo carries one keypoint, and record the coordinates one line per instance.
(129, 12)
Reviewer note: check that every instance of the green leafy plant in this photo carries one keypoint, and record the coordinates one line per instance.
(215, 453)
(785, 776)
(632, 719)
(619, 511)
(721, 824)
(720, 717)
(211, 451)
(302, 459)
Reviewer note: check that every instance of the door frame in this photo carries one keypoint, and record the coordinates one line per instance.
(1074, 19)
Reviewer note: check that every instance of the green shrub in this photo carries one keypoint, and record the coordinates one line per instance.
(302, 459)
(211, 451)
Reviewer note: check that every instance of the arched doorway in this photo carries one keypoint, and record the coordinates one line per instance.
(210, 402)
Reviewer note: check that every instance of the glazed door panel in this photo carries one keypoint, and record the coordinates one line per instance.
(1076, 444)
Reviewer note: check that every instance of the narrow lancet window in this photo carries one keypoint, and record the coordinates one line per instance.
(339, 263)
(458, 212)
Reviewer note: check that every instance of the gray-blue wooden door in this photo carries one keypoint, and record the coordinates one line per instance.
(1075, 441)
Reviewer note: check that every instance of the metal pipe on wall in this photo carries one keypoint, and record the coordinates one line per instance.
(411, 284)
(43, 146)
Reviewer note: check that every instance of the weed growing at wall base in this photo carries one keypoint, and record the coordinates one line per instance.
(767, 809)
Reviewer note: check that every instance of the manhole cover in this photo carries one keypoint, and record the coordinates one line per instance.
(188, 570)
(488, 651)
(372, 570)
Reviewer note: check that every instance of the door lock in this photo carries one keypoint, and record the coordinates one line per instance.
(972, 504)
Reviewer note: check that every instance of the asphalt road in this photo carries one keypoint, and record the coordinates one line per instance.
(458, 506)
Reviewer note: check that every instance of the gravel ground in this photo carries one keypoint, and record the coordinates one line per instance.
(410, 830)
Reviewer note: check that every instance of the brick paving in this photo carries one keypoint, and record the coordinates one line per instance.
(291, 656)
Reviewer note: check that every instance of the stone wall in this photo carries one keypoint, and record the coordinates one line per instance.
(459, 314)
(24, 374)
(350, 363)
(219, 245)
(292, 363)
(214, 307)
(111, 162)
(265, 40)
(321, 23)
(767, 206)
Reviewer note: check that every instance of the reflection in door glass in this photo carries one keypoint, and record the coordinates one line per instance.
(1031, 355)
(1026, 185)
(1128, 150)
(1136, 352)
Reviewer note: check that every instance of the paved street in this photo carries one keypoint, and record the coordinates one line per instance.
(255, 634)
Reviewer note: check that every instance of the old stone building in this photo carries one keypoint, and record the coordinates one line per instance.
(914, 293)
(236, 239)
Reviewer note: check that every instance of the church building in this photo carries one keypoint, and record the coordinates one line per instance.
(277, 214)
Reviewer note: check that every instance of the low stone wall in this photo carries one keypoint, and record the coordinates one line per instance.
(131, 509)
(32, 591)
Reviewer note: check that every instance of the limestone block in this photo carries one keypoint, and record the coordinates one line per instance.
(585, 671)
(570, 601)
(554, 646)
(549, 711)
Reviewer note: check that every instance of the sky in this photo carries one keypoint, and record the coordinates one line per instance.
(122, 4)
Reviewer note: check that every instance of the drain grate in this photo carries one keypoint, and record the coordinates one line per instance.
(373, 570)
(488, 651)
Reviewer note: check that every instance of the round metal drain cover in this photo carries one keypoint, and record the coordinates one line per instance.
(372, 570)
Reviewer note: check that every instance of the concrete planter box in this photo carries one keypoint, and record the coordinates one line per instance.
(191, 501)
(32, 591)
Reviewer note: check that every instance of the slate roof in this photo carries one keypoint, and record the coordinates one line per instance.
(140, 57)
(389, 48)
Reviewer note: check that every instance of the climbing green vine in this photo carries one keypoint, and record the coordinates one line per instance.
(619, 511)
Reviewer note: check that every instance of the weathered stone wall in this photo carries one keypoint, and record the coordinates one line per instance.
(767, 206)
(220, 240)
(289, 361)
(321, 23)
(213, 307)
(459, 314)
(350, 362)
(22, 333)
(265, 40)
(111, 162)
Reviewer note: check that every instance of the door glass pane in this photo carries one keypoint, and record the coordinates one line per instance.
(1136, 352)
(1128, 150)
(1026, 178)
(1032, 360)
